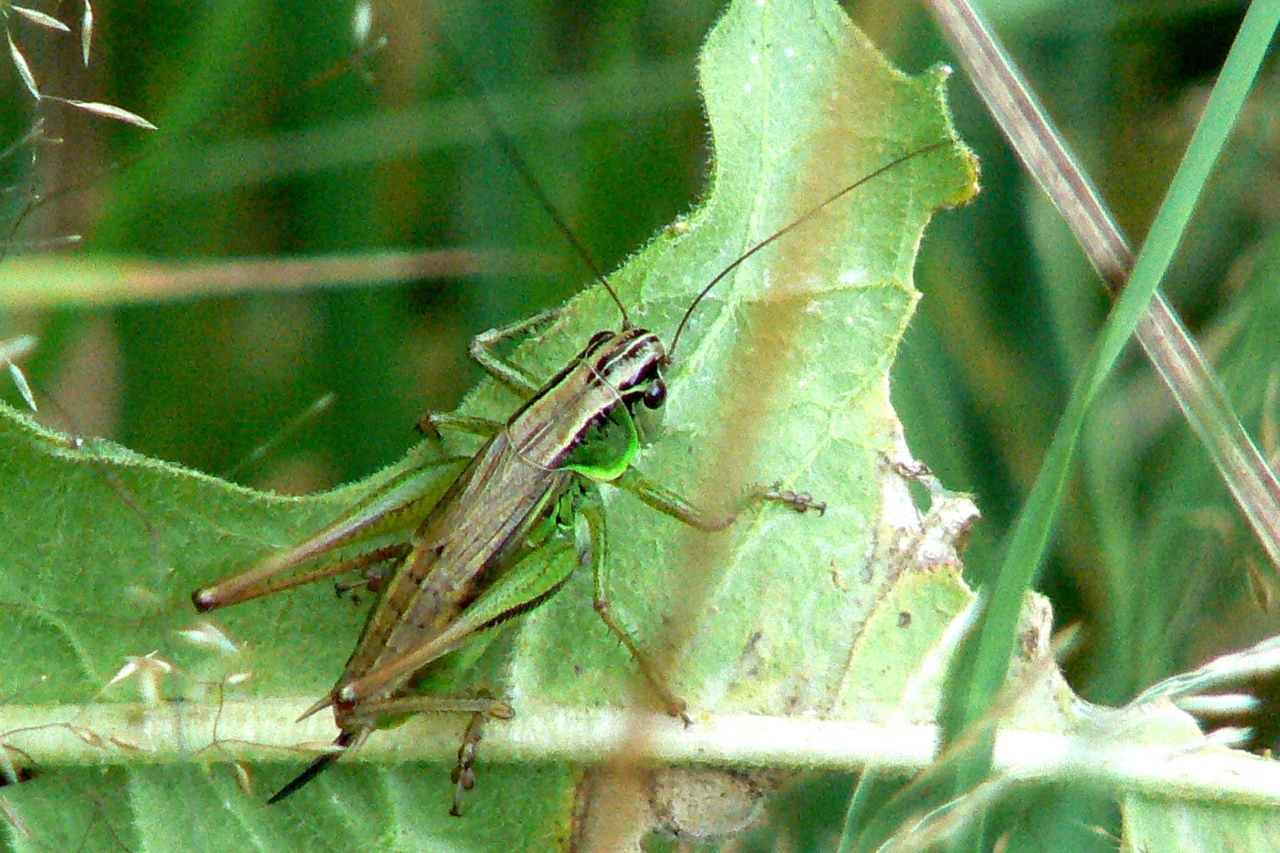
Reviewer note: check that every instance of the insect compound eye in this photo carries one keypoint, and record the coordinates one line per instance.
(655, 394)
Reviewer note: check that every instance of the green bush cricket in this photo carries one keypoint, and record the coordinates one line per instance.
(485, 552)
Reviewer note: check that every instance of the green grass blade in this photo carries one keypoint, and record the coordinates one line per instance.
(981, 672)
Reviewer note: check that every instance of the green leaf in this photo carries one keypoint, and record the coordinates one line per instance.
(782, 377)
(1168, 823)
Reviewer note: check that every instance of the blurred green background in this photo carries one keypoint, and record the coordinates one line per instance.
(283, 136)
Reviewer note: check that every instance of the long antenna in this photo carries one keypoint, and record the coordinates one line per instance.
(513, 155)
(787, 229)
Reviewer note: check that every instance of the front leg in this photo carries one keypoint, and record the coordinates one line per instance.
(593, 550)
(524, 383)
(667, 502)
(515, 377)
